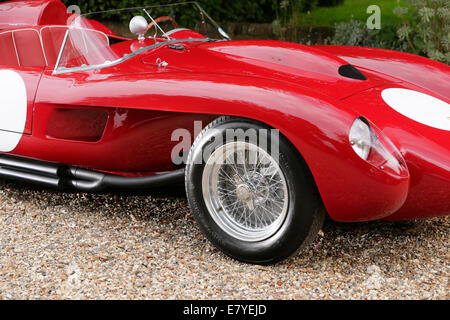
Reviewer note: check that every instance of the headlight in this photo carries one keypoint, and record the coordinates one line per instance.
(373, 146)
(361, 138)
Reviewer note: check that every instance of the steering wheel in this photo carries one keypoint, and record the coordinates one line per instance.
(161, 19)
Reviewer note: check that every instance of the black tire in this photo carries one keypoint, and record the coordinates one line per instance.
(305, 214)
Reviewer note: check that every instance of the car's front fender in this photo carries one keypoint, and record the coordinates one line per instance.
(318, 127)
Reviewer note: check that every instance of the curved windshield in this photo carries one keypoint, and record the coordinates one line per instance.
(102, 39)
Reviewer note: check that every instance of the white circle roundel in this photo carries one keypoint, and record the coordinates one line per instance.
(13, 109)
(419, 107)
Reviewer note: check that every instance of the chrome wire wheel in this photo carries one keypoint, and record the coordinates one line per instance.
(245, 191)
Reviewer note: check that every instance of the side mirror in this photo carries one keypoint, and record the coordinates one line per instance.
(139, 26)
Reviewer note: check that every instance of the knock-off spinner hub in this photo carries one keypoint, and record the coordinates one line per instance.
(244, 193)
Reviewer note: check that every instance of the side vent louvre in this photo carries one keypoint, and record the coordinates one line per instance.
(351, 72)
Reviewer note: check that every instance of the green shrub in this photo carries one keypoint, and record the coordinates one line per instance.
(426, 28)
(355, 33)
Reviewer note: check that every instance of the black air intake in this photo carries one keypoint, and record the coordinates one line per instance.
(351, 72)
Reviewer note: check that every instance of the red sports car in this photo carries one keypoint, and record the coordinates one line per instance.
(269, 136)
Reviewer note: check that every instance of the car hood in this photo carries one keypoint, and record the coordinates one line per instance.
(275, 60)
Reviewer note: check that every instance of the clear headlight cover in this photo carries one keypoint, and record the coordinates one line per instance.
(361, 138)
(372, 145)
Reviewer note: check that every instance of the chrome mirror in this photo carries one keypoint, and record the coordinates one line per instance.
(139, 26)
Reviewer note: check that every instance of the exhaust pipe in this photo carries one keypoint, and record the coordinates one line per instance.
(30, 177)
(58, 176)
(87, 180)
(30, 171)
(29, 165)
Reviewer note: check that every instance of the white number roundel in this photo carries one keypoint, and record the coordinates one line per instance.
(13, 109)
(419, 107)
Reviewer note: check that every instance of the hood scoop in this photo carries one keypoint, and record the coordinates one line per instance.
(351, 72)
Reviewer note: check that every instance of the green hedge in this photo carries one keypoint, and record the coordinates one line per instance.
(220, 10)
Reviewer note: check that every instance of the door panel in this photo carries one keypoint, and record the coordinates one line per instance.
(21, 66)
(18, 86)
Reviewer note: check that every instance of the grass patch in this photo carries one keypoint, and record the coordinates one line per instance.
(356, 9)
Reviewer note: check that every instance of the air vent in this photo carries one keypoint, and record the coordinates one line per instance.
(351, 72)
(84, 125)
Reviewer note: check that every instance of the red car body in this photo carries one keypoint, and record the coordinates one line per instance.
(119, 119)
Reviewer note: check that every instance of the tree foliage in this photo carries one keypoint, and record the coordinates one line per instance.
(220, 10)
(329, 3)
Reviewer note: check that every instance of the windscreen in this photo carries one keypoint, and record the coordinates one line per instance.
(105, 38)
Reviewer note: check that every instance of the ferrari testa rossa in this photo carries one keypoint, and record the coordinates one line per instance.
(270, 137)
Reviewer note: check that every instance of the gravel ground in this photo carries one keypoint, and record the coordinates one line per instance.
(56, 245)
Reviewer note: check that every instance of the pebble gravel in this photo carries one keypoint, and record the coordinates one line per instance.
(146, 245)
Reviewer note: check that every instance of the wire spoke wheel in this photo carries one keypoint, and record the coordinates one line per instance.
(254, 205)
(245, 191)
